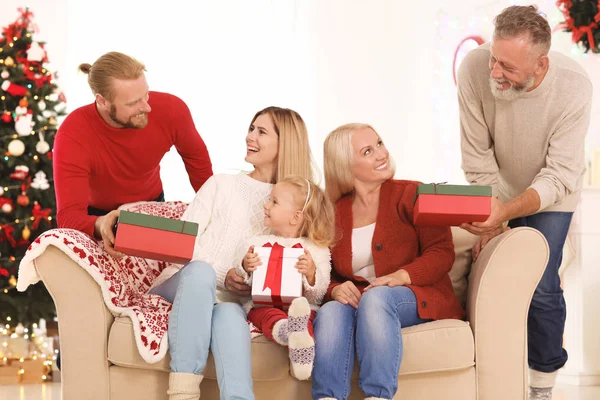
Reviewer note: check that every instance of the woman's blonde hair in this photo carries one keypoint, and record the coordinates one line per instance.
(294, 156)
(338, 155)
(318, 224)
(110, 66)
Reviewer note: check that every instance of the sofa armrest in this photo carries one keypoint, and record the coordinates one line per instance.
(501, 285)
(83, 322)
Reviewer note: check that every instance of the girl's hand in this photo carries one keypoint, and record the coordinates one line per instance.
(251, 260)
(306, 266)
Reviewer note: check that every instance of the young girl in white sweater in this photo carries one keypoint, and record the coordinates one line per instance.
(298, 212)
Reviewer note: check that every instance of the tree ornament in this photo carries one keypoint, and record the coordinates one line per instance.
(24, 102)
(9, 62)
(5, 74)
(6, 117)
(23, 200)
(16, 148)
(35, 52)
(42, 146)
(25, 233)
(24, 123)
(13, 89)
(7, 208)
(21, 172)
(1, 191)
(40, 182)
(42, 105)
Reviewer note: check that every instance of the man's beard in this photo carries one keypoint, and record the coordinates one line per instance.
(127, 124)
(513, 92)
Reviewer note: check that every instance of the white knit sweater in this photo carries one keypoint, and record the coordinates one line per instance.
(228, 210)
(321, 256)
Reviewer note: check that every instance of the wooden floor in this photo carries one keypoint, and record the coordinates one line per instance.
(51, 391)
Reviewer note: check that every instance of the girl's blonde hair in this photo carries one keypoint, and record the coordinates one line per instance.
(110, 66)
(338, 155)
(294, 156)
(318, 224)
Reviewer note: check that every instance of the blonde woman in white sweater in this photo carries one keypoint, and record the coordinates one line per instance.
(298, 212)
(206, 312)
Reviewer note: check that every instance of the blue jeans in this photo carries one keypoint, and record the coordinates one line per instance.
(196, 324)
(372, 332)
(547, 313)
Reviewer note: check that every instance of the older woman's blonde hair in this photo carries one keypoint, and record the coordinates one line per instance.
(338, 155)
(294, 156)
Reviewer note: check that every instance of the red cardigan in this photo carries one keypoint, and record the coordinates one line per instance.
(425, 252)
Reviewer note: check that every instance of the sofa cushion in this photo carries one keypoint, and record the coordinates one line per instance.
(463, 242)
(434, 346)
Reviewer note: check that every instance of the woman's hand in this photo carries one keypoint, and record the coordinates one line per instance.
(347, 293)
(251, 260)
(306, 266)
(398, 278)
(236, 285)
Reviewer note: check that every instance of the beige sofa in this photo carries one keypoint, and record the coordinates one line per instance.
(483, 358)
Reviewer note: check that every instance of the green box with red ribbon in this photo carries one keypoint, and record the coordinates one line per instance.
(277, 282)
(156, 238)
(451, 205)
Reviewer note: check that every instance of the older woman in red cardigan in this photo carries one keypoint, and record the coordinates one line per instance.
(387, 273)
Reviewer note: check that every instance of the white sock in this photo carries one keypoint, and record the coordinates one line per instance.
(539, 379)
(184, 386)
(280, 332)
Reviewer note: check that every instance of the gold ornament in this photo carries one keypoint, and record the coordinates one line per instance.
(9, 62)
(12, 281)
(26, 233)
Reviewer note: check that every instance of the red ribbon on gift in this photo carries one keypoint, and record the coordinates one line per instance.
(275, 271)
(38, 214)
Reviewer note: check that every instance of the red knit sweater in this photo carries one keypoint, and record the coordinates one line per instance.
(104, 167)
(426, 253)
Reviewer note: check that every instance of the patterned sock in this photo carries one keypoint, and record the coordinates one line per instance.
(280, 332)
(540, 393)
(301, 346)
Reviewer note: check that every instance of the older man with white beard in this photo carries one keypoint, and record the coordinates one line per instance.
(524, 115)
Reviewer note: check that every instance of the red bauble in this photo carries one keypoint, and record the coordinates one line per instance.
(6, 117)
(23, 200)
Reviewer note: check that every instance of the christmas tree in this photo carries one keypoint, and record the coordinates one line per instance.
(30, 104)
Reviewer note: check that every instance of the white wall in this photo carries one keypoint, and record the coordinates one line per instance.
(383, 62)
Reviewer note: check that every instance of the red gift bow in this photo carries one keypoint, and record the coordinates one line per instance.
(38, 214)
(274, 271)
(8, 230)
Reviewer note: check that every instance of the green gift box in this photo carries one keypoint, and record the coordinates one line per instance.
(451, 205)
(156, 238)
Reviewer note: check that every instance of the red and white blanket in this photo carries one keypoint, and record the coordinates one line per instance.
(124, 282)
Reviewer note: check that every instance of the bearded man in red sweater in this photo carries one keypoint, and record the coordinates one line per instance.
(108, 153)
